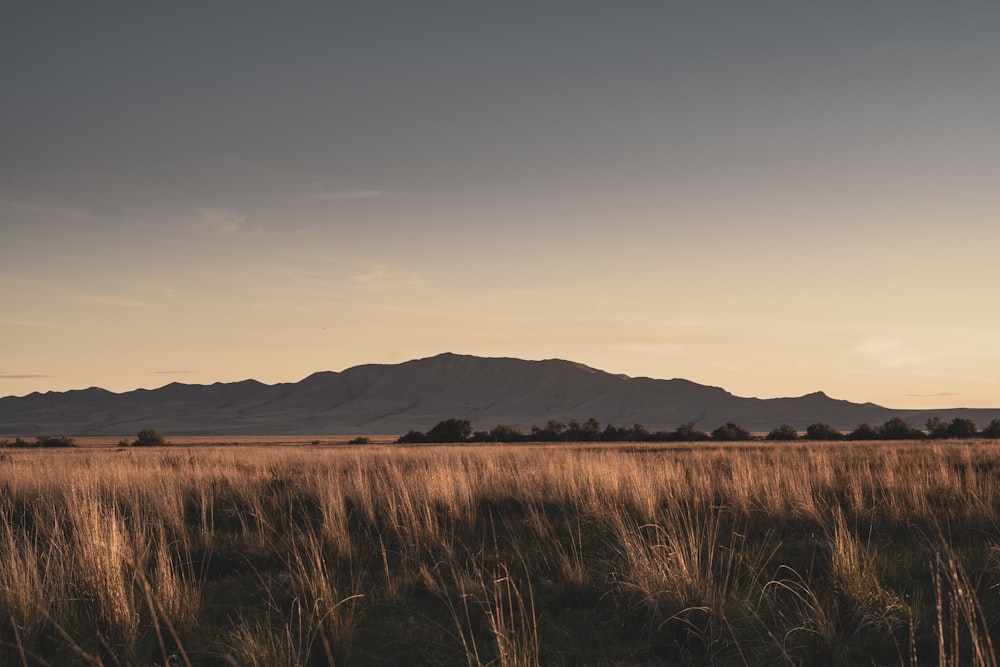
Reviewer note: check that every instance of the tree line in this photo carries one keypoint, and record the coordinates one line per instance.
(147, 437)
(40, 441)
(896, 428)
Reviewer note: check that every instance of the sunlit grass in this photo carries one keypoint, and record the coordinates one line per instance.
(854, 553)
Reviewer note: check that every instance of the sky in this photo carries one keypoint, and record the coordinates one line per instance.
(772, 197)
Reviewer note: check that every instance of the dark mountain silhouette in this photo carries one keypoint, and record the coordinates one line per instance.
(386, 399)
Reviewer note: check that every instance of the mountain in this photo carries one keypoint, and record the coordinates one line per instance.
(394, 398)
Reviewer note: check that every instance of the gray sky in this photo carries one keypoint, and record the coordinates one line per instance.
(774, 197)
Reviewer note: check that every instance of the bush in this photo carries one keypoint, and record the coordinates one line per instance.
(502, 433)
(613, 433)
(450, 430)
(689, 432)
(898, 428)
(731, 432)
(554, 430)
(148, 437)
(937, 428)
(784, 432)
(587, 432)
(55, 441)
(864, 432)
(41, 441)
(360, 440)
(962, 428)
(823, 431)
(958, 428)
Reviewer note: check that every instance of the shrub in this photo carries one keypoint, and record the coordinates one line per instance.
(823, 431)
(639, 433)
(864, 432)
(962, 428)
(502, 433)
(784, 432)
(937, 428)
(41, 441)
(613, 433)
(450, 430)
(586, 432)
(55, 441)
(898, 428)
(360, 440)
(688, 432)
(731, 432)
(554, 430)
(148, 437)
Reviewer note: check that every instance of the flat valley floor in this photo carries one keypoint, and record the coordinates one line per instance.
(309, 551)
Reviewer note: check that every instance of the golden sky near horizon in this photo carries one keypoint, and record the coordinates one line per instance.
(771, 197)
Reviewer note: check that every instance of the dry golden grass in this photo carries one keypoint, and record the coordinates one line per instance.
(854, 553)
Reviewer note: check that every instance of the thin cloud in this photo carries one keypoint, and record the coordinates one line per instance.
(222, 220)
(380, 277)
(877, 174)
(22, 376)
(171, 372)
(302, 274)
(943, 394)
(344, 194)
(599, 301)
(82, 197)
(110, 301)
(156, 289)
(654, 348)
(31, 324)
(240, 179)
(888, 352)
(58, 211)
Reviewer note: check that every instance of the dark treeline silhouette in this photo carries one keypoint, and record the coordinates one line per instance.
(896, 428)
(41, 441)
(147, 437)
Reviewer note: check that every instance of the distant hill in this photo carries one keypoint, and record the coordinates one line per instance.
(394, 398)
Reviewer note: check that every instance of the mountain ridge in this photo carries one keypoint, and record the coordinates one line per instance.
(416, 394)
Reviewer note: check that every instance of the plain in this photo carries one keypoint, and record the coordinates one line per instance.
(572, 554)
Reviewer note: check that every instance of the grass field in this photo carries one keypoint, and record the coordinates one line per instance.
(753, 553)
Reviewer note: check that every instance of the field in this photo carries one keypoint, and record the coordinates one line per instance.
(569, 554)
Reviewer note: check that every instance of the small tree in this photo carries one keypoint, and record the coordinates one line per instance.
(864, 432)
(612, 433)
(554, 430)
(962, 428)
(640, 433)
(822, 431)
(148, 437)
(55, 441)
(898, 428)
(688, 432)
(412, 437)
(506, 433)
(591, 430)
(783, 432)
(937, 428)
(450, 430)
(992, 429)
(731, 432)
